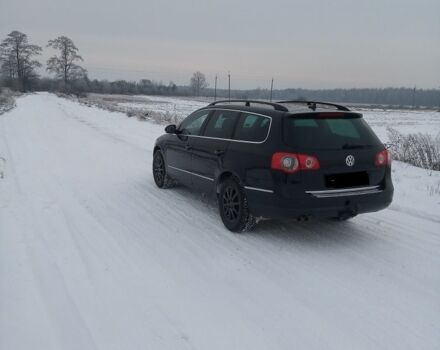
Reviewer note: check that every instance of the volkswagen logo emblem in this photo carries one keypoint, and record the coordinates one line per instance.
(349, 160)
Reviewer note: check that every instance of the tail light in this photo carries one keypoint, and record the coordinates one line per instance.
(293, 162)
(383, 158)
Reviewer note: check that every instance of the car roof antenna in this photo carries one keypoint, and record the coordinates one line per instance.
(312, 106)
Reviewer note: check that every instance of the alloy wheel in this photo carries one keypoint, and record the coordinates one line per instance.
(231, 203)
(158, 169)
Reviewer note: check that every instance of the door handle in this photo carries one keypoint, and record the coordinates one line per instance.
(188, 147)
(219, 152)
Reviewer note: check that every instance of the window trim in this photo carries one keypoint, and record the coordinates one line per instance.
(255, 114)
(202, 127)
(233, 140)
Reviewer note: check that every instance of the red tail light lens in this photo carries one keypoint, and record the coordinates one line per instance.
(293, 162)
(383, 158)
(307, 162)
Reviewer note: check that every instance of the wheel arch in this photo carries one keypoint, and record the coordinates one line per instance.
(226, 174)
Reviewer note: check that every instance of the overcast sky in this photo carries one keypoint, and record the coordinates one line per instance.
(311, 44)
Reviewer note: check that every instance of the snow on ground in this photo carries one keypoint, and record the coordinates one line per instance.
(94, 256)
(417, 191)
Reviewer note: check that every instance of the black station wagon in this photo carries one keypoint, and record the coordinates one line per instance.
(290, 159)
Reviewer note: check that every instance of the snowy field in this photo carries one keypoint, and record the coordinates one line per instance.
(158, 108)
(179, 106)
(94, 256)
(406, 121)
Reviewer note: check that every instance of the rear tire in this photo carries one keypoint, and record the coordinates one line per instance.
(160, 175)
(233, 206)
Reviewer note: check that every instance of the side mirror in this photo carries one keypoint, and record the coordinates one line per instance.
(171, 129)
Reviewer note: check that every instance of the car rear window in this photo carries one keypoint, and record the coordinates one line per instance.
(328, 133)
(252, 127)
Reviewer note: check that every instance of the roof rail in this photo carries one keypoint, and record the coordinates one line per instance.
(312, 104)
(247, 103)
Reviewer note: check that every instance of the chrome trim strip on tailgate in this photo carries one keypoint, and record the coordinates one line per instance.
(357, 191)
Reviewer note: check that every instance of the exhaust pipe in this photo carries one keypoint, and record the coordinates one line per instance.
(345, 215)
(303, 218)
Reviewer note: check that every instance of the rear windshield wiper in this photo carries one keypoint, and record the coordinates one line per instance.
(352, 146)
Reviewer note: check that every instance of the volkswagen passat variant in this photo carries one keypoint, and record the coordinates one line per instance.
(290, 159)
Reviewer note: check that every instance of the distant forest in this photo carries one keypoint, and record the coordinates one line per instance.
(19, 70)
(393, 97)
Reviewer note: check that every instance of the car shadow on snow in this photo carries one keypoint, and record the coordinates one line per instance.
(312, 232)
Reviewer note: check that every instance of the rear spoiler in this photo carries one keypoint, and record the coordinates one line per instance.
(312, 104)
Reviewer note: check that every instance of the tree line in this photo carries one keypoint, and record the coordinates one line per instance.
(19, 68)
(19, 64)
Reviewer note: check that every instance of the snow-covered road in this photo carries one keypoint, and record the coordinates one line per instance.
(94, 256)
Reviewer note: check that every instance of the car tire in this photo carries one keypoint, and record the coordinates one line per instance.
(160, 175)
(233, 206)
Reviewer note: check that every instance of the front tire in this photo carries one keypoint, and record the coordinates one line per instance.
(233, 206)
(160, 175)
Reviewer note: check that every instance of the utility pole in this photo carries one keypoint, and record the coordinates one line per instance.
(229, 85)
(271, 89)
(439, 100)
(414, 98)
(215, 88)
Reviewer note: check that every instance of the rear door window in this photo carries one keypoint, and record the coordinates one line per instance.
(252, 127)
(221, 124)
(328, 133)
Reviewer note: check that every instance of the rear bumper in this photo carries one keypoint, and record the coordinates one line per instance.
(320, 204)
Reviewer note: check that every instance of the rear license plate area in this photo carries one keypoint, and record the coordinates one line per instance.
(344, 180)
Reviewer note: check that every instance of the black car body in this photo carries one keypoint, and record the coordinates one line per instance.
(290, 159)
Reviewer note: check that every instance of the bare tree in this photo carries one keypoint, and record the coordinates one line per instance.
(8, 66)
(198, 82)
(17, 59)
(63, 65)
